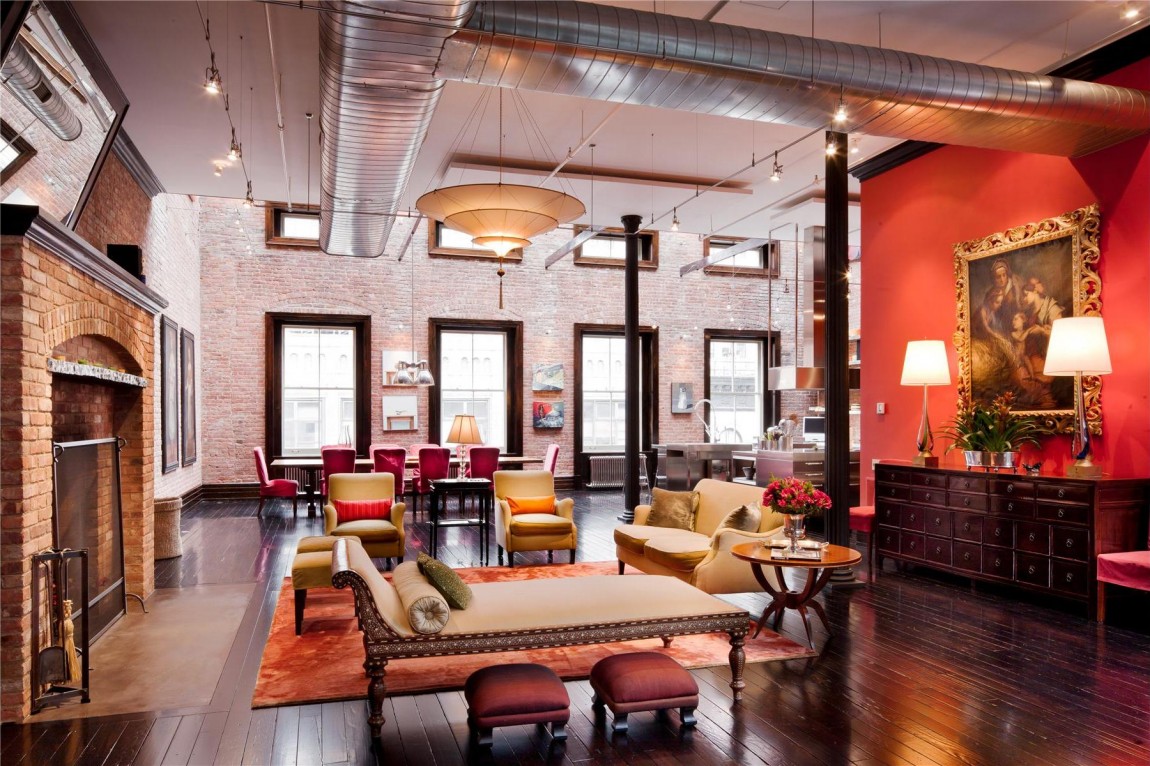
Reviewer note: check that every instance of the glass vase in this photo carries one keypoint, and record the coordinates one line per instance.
(795, 529)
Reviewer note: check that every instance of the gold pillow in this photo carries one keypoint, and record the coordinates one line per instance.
(745, 518)
(446, 581)
(674, 510)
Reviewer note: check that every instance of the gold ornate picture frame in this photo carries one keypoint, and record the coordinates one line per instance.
(1011, 286)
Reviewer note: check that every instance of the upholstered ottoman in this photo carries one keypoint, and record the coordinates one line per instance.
(635, 681)
(311, 568)
(511, 695)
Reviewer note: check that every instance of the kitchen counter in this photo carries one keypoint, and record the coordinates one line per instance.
(688, 462)
(804, 463)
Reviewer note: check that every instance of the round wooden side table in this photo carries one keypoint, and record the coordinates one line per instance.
(818, 573)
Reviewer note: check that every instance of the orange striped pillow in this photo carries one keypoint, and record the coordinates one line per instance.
(531, 504)
(359, 510)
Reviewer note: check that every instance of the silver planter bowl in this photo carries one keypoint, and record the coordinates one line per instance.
(976, 458)
(1005, 459)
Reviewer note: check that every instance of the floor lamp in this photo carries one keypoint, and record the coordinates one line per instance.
(925, 365)
(1078, 347)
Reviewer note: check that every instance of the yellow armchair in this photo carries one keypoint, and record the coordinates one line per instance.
(532, 531)
(381, 538)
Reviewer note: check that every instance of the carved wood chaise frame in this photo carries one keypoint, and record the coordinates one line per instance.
(381, 643)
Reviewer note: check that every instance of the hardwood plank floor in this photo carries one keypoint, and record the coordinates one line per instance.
(921, 669)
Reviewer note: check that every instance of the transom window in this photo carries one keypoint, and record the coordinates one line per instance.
(609, 248)
(14, 151)
(473, 380)
(735, 390)
(448, 241)
(298, 227)
(764, 258)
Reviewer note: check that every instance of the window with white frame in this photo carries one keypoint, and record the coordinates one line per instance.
(604, 393)
(318, 387)
(736, 389)
(473, 381)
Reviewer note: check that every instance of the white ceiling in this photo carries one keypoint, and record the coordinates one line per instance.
(158, 53)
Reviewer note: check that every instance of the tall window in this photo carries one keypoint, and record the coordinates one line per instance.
(318, 394)
(473, 380)
(735, 388)
(604, 393)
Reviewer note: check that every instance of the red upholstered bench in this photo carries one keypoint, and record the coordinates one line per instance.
(1130, 569)
(512, 695)
(635, 681)
(862, 521)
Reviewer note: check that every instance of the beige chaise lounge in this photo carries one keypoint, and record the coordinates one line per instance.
(701, 557)
(527, 614)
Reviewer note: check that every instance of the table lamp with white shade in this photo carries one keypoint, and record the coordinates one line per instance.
(1078, 347)
(464, 430)
(925, 365)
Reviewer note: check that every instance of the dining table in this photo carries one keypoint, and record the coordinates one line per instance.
(311, 467)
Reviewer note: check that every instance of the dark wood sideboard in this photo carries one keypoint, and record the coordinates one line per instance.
(1041, 533)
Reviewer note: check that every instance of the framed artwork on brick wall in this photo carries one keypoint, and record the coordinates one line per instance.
(169, 394)
(188, 443)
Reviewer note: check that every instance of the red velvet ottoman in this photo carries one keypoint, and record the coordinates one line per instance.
(643, 681)
(511, 695)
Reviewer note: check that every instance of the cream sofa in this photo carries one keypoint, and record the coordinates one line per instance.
(702, 557)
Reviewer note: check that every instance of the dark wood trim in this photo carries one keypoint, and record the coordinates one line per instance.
(229, 491)
(14, 14)
(434, 250)
(273, 407)
(195, 495)
(900, 154)
(744, 271)
(25, 151)
(650, 263)
(649, 366)
(272, 212)
(770, 357)
(135, 163)
(514, 372)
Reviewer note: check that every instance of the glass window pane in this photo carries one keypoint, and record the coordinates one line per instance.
(473, 380)
(318, 394)
(736, 387)
(295, 226)
(604, 392)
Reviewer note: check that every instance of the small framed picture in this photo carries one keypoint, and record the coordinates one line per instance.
(400, 413)
(682, 398)
(399, 423)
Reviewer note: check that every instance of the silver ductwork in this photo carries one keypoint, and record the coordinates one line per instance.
(378, 92)
(636, 57)
(31, 87)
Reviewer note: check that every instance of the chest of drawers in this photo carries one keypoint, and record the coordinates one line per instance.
(1035, 532)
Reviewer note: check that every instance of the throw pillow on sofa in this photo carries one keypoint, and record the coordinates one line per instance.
(426, 608)
(359, 510)
(745, 518)
(674, 510)
(446, 581)
(544, 504)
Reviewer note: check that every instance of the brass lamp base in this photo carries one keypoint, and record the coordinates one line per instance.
(1084, 470)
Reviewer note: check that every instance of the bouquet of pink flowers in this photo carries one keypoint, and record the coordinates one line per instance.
(790, 495)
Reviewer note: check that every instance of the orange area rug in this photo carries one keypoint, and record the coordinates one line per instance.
(325, 664)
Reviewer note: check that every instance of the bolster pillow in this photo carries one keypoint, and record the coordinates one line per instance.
(426, 609)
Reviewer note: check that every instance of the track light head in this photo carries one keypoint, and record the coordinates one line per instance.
(777, 170)
(675, 220)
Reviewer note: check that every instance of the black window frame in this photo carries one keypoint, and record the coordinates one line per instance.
(25, 151)
(514, 372)
(436, 250)
(769, 253)
(771, 357)
(648, 248)
(274, 324)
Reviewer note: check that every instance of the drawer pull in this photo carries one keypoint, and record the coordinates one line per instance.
(998, 563)
(998, 531)
(1061, 492)
(966, 527)
(913, 544)
(937, 550)
(1031, 537)
(966, 501)
(1009, 488)
(937, 521)
(1070, 542)
(1061, 512)
(1030, 569)
(928, 497)
(1010, 506)
(1069, 576)
(892, 492)
(966, 556)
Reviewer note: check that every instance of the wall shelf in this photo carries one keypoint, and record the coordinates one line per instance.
(76, 369)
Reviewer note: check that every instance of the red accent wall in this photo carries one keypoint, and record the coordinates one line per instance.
(911, 218)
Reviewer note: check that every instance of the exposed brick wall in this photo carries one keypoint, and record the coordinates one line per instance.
(118, 210)
(241, 287)
(44, 304)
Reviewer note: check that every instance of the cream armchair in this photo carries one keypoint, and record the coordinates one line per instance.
(531, 531)
(381, 538)
(702, 557)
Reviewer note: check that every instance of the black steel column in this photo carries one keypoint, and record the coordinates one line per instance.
(836, 330)
(632, 443)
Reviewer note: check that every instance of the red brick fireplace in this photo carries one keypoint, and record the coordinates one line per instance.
(61, 298)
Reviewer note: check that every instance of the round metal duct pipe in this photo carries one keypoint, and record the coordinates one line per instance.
(31, 87)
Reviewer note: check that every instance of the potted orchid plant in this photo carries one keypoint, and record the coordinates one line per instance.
(795, 499)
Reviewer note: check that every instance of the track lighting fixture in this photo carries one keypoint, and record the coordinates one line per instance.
(854, 146)
(777, 170)
(1130, 11)
(675, 220)
(218, 170)
(249, 200)
(213, 83)
(841, 110)
(831, 148)
(236, 151)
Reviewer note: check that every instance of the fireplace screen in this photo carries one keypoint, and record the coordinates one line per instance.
(87, 514)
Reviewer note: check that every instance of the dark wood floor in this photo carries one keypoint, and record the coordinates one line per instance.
(921, 670)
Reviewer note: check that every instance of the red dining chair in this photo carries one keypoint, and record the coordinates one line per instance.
(551, 458)
(434, 464)
(482, 462)
(393, 460)
(862, 521)
(273, 487)
(335, 460)
(413, 450)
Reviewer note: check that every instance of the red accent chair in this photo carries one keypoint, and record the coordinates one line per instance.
(273, 487)
(1128, 569)
(862, 520)
(335, 460)
(551, 458)
(434, 464)
(392, 459)
(482, 462)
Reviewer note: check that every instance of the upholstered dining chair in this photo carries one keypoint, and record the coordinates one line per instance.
(528, 517)
(482, 462)
(335, 460)
(273, 487)
(862, 521)
(434, 463)
(392, 459)
(1126, 569)
(363, 505)
(551, 458)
